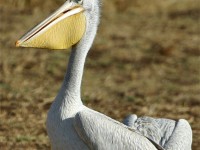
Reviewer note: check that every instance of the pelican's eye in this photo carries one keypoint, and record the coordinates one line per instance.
(79, 1)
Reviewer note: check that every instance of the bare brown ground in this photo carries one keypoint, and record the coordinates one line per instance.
(145, 60)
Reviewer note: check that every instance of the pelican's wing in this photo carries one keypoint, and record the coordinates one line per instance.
(165, 132)
(101, 132)
(181, 138)
(147, 126)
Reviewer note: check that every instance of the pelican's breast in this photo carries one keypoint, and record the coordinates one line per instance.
(60, 128)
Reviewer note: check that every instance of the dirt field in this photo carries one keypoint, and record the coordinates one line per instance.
(145, 60)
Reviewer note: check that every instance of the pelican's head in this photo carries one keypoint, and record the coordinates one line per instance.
(65, 27)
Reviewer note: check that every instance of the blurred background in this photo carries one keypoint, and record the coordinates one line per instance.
(145, 60)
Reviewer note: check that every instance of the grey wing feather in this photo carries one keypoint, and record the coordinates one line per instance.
(101, 132)
(165, 132)
(130, 120)
(147, 126)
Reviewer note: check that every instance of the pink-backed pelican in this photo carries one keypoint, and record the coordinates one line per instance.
(70, 124)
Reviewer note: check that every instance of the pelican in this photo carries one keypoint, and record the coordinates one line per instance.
(70, 124)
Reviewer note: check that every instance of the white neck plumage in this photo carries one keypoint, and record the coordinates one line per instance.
(71, 87)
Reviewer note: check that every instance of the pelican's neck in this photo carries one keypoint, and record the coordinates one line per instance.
(71, 88)
(70, 91)
(69, 95)
(74, 74)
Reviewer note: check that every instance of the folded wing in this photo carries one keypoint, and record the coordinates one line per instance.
(101, 132)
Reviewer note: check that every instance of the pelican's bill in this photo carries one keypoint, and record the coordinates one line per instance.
(61, 30)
